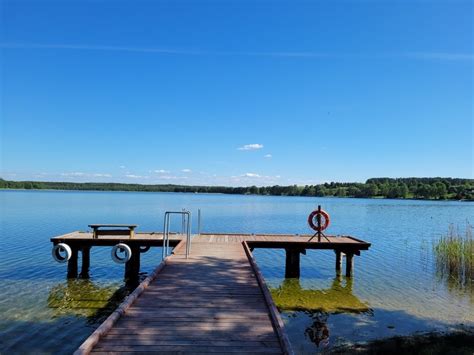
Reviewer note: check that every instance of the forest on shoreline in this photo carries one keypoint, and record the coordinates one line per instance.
(415, 188)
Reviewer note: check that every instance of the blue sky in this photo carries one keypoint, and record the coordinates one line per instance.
(236, 92)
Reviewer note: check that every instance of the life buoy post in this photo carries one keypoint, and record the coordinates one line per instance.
(319, 226)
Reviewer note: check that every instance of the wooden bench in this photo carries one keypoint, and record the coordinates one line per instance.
(123, 229)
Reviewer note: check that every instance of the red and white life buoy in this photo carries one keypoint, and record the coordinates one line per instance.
(313, 222)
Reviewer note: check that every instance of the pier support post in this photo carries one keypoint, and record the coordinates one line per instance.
(349, 264)
(338, 261)
(132, 267)
(86, 261)
(292, 265)
(72, 263)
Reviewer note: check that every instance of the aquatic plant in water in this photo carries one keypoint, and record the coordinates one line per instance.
(84, 298)
(291, 296)
(454, 254)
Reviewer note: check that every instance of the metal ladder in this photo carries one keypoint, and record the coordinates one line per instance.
(185, 230)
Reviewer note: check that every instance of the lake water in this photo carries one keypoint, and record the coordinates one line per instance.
(395, 289)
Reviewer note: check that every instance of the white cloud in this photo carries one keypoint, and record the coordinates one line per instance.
(73, 174)
(171, 177)
(251, 175)
(186, 170)
(253, 146)
(268, 156)
(122, 166)
(162, 171)
(133, 176)
(81, 174)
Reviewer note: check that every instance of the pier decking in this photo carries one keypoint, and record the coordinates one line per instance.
(208, 303)
(215, 301)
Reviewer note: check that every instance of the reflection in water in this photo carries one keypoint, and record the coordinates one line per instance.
(318, 332)
(318, 305)
(84, 298)
(457, 286)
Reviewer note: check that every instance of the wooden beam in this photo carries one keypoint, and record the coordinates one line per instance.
(349, 264)
(86, 261)
(72, 264)
(338, 261)
(132, 267)
(292, 262)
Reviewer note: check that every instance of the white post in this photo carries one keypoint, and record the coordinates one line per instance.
(199, 221)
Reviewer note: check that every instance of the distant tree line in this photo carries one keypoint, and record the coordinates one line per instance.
(418, 188)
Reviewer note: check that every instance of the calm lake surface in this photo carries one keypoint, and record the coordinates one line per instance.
(395, 290)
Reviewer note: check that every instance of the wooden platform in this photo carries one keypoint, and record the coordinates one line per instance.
(345, 243)
(216, 301)
(78, 238)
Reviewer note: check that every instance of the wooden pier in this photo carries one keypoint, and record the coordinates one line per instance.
(215, 301)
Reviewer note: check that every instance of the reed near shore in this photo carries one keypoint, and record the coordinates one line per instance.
(454, 254)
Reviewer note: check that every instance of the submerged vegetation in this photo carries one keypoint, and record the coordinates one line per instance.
(454, 255)
(84, 298)
(291, 296)
(419, 188)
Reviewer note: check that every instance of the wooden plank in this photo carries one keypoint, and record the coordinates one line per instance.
(150, 340)
(202, 317)
(113, 232)
(165, 297)
(218, 281)
(113, 225)
(183, 352)
(196, 322)
(189, 289)
(200, 335)
(226, 327)
(193, 348)
(152, 304)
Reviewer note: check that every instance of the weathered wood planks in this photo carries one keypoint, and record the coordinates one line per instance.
(211, 302)
(216, 301)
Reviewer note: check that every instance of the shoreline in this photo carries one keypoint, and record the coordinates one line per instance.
(243, 194)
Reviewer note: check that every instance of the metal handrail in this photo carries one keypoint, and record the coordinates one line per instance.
(185, 228)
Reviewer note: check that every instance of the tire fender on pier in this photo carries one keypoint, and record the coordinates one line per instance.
(121, 253)
(61, 252)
